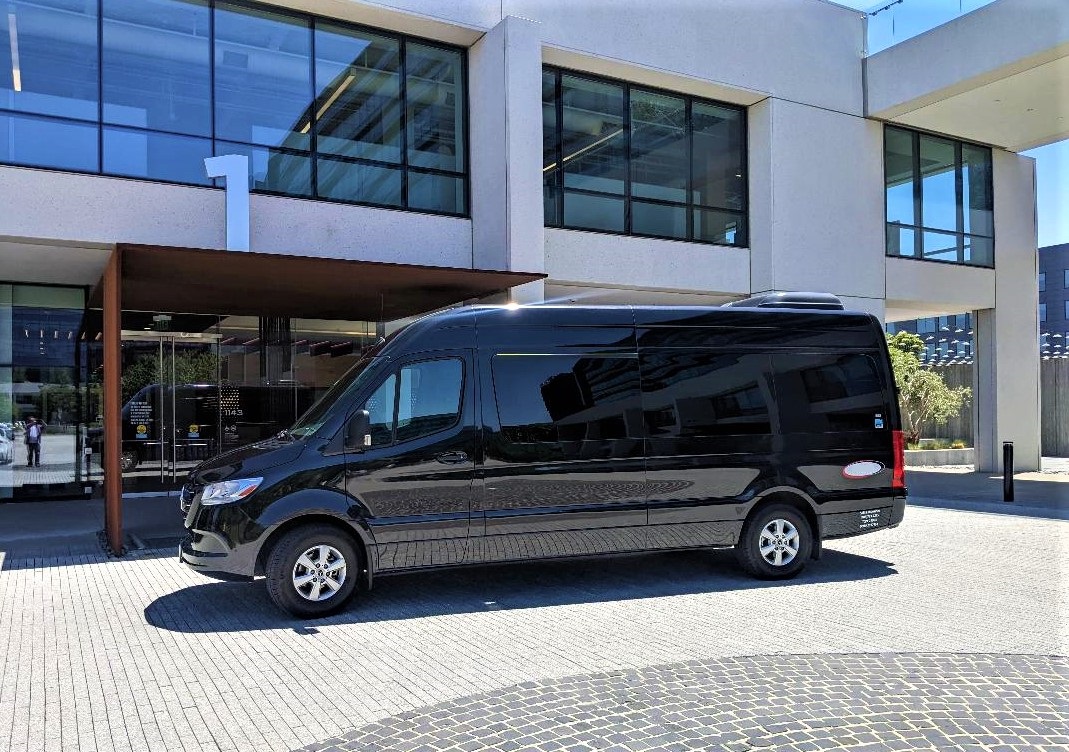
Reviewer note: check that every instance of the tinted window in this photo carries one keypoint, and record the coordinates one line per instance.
(705, 393)
(380, 407)
(428, 397)
(551, 398)
(829, 392)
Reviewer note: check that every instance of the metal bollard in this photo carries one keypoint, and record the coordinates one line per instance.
(1007, 471)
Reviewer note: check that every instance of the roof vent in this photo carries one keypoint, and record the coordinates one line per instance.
(806, 300)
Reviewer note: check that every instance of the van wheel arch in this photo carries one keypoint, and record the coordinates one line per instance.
(359, 543)
(800, 502)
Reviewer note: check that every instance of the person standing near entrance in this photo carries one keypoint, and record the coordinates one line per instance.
(34, 429)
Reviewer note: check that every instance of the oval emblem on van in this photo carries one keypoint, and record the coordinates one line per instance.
(862, 469)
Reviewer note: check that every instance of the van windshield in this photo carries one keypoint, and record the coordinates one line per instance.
(343, 388)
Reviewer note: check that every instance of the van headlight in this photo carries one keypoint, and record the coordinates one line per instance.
(229, 490)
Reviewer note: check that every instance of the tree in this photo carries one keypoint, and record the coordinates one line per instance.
(923, 395)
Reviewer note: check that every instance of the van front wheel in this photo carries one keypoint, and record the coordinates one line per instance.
(312, 571)
(775, 543)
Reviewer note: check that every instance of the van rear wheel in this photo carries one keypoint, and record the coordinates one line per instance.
(776, 543)
(312, 571)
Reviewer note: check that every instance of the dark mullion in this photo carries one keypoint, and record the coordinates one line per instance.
(627, 159)
(688, 124)
(211, 77)
(402, 72)
(465, 135)
(959, 199)
(313, 132)
(100, 86)
(746, 176)
(918, 243)
(558, 112)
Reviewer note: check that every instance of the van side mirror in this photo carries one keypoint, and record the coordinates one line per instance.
(358, 431)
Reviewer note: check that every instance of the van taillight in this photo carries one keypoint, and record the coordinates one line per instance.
(898, 478)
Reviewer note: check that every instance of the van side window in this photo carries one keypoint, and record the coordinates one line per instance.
(380, 406)
(428, 397)
(703, 393)
(819, 393)
(560, 398)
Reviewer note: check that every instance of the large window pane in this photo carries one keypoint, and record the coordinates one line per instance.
(49, 59)
(358, 94)
(44, 142)
(550, 137)
(361, 183)
(593, 136)
(273, 170)
(724, 228)
(719, 156)
(940, 246)
(898, 171)
(590, 212)
(938, 195)
(429, 397)
(659, 168)
(436, 193)
(157, 156)
(662, 220)
(263, 77)
(157, 65)
(979, 251)
(977, 202)
(435, 94)
(824, 393)
(901, 241)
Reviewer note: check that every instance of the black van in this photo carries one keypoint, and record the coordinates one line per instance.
(487, 434)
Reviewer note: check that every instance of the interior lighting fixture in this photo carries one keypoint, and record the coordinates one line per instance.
(13, 36)
(330, 100)
(584, 150)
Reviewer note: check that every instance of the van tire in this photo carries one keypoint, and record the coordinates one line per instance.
(786, 531)
(325, 550)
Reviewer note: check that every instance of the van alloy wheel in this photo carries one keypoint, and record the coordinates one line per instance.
(319, 573)
(779, 542)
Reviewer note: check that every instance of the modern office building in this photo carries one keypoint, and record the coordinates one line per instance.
(404, 155)
(1054, 299)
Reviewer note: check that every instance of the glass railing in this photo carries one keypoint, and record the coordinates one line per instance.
(894, 21)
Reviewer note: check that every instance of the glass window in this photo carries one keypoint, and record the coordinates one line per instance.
(828, 392)
(719, 157)
(561, 398)
(49, 60)
(363, 183)
(429, 397)
(705, 394)
(157, 65)
(263, 77)
(46, 142)
(162, 156)
(659, 167)
(358, 94)
(1043, 280)
(953, 181)
(1066, 281)
(634, 161)
(1043, 311)
(443, 194)
(381, 407)
(435, 98)
(898, 172)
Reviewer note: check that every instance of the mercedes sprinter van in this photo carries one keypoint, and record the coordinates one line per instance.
(486, 434)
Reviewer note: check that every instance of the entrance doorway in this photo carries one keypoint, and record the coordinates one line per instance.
(171, 416)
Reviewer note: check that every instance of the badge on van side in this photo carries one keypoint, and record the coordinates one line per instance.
(862, 469)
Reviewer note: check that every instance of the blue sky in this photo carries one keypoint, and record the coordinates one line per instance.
(912, 17)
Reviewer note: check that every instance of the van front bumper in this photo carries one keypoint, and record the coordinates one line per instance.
(212, 555)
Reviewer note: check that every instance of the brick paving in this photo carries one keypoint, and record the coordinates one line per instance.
(142, 654)
(796, 703)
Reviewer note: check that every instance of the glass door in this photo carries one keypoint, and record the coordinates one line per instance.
(170, 412)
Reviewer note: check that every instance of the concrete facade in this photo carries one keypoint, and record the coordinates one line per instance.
(815, 174)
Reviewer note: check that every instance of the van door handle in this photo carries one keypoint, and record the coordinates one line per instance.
(452, 458)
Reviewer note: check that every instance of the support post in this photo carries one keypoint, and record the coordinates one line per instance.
(112, 401)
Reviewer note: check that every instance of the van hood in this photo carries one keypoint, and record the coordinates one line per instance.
(247, 461)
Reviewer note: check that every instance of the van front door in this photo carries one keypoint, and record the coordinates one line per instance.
(415, 479)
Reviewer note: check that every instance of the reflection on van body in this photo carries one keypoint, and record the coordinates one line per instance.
(489, 434)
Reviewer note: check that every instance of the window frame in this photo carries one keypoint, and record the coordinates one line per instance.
(691, 208)
(919, 229)
(312, 154)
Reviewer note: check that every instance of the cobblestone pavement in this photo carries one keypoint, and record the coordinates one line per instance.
(142, 654)
(797, 703)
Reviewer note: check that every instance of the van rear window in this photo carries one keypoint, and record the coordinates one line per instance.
(824, 392)
(557, 398)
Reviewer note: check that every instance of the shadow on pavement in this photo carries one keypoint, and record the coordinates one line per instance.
(241, 606)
